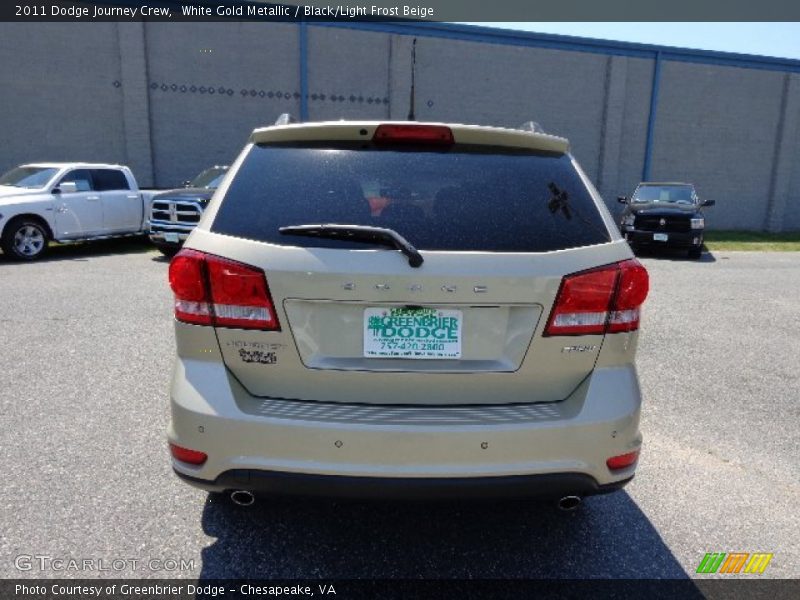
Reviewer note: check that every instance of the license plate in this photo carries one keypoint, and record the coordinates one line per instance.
(660, 237)
(171, 237)
(419, 333)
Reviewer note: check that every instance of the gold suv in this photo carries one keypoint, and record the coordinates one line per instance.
(406, 309)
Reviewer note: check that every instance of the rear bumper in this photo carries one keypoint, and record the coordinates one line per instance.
(551, 485)
(683, 239)
(556, 448)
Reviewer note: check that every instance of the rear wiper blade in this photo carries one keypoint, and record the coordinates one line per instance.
(359, 233)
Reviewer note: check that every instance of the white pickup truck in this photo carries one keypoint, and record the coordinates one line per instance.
(68, 202)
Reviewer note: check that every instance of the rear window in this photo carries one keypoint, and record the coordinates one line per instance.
(461, 199)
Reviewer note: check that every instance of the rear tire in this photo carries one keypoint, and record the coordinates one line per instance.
(25, 239)
(168, 250)
(695, 253)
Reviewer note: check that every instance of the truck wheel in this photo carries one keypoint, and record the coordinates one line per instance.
(695, 253)
(24, 239)
(168, 250)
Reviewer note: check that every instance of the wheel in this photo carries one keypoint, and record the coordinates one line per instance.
(695, 252)
(25, 239)
(168, 250)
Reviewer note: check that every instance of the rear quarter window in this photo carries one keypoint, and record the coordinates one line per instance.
(106, 180)
(459, 199)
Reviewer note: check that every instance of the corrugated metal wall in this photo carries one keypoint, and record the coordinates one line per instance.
(172, 98)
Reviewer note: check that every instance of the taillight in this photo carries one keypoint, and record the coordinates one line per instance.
(602, 300)
(239, 295)
(622, 461)
(582, 303)
(210, 290)
(437, 135)
(188, 281)
(632, 288)
(193, 457)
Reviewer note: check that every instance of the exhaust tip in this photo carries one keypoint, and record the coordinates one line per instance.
(243, 498)
(569, 503)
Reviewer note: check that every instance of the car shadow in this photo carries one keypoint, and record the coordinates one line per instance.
(83, 251)
(675, 254)
(607, 537)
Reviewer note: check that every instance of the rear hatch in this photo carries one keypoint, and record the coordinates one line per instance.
(497, 227)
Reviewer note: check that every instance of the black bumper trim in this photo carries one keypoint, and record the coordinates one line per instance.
(549, 485)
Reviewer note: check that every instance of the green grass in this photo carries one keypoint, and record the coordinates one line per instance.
(752, 240)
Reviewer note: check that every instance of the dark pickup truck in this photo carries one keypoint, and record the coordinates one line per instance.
(660, 215)
(175, 213)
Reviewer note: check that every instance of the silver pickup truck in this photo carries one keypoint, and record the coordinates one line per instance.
(66, 202)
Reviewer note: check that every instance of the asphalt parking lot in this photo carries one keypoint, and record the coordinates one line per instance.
(85, 355)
